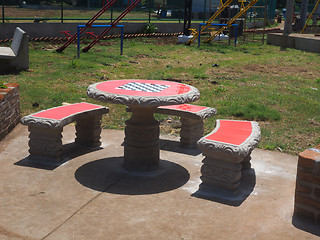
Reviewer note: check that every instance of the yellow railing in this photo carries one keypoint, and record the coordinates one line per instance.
(208, 23)
(232, 20)
(315, 7)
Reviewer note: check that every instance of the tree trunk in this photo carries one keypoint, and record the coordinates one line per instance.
(289, 17)
(287, 24)
(303, 13)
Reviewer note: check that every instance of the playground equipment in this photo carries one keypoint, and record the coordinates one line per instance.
(88, 24)
(232, 20)
(255, 15)
(220, 24)
(243, 9)
(66, 33)
(93, 36)
(314, 9)
(130, 6)
(208, 23)
(113, 24)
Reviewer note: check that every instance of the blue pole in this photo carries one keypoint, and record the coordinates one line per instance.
(121, 42)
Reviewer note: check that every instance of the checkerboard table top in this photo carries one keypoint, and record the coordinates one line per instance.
(143, 92)
(143, 87)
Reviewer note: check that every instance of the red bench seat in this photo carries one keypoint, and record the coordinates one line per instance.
(46, 126)
(187, 110)
(62, 112)
(231, 132)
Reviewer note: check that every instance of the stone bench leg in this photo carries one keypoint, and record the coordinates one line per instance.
(45, 144)
(191, 131)
(220, 174)
(88, 131)
(246, 164)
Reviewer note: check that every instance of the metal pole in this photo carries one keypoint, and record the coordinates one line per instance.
(180, 11)
(187, 17)
(244, 27)
(2, 11)
(149, 9)
(121, 42)
(61, 11)
(235, 35)
(199, 34)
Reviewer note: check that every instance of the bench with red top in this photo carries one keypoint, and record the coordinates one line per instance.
(227, 151)
(45, 127)
(192, 117)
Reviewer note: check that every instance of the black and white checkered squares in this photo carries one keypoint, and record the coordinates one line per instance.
(143, 87)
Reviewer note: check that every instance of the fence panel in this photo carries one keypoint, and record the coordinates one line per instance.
(83, 10)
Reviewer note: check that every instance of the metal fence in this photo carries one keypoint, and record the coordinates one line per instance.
(80, 10)
(14, 11)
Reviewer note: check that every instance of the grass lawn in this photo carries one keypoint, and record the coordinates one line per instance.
(279, 89)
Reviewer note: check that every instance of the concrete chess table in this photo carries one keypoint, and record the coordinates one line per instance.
(141, 143)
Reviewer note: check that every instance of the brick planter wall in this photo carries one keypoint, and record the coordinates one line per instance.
(307, 194)
(9, 108)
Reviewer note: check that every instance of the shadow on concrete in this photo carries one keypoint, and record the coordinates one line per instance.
(248, 182)
(175, 146)
(108, 175)
(306, 225)
(69, 152)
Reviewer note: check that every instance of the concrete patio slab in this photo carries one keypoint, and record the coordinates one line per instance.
(91, 196)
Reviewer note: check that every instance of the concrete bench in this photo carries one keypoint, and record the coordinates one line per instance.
(45, 127)
(15, 57)
(227, 151)
(192, 117)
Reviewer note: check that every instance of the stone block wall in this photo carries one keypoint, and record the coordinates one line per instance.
(9, 108)
(307, 194)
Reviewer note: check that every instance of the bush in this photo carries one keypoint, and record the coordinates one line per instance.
(2, 85)
(150, 28)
